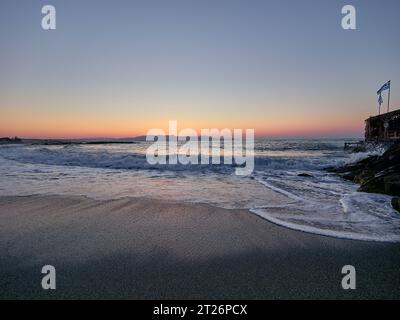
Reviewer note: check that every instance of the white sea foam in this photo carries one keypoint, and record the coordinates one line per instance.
(331, 207)
(358, 156)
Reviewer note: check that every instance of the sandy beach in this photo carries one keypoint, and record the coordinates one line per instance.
(136, 248)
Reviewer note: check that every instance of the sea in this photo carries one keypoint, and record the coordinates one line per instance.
(289, 186)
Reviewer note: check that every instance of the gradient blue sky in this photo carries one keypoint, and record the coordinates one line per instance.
(119, 68)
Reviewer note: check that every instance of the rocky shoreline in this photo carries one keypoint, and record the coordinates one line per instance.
(376, 174)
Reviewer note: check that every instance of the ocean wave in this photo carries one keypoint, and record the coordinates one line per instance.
(76, 156)
(299, 145)
(295, 163)
(83, 157)
(373, 150)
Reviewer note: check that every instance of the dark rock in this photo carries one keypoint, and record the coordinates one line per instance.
(361, 148)
(348, 176)
(364, 176)
(377, 174)
(304, 175)
(392, 185)
(374, 185)
(396, 203)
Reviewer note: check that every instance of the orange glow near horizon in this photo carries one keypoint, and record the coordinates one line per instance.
(122, 128)
(127, 119)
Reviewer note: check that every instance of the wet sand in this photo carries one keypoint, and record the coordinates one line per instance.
(147, 249)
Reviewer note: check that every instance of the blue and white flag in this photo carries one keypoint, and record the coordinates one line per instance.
(380, 100)
(386, 86)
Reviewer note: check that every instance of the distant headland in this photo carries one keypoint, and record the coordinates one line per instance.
(6, 140)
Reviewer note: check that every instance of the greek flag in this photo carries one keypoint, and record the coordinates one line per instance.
(386, 86)
(380, 100)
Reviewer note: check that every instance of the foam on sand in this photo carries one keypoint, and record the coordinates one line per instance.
(347, 214)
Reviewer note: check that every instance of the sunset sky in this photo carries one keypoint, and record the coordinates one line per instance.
(120, 68)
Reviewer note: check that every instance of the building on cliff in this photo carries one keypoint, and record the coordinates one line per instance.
(384, 127)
